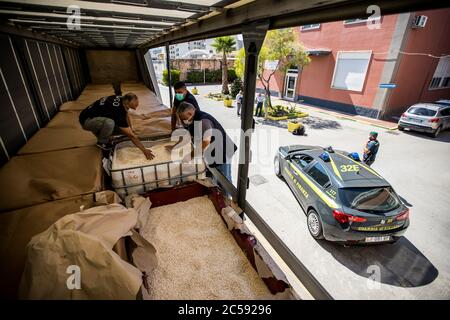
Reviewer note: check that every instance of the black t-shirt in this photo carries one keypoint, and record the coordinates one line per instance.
(189, 97)
(228, 148)
(109, 107)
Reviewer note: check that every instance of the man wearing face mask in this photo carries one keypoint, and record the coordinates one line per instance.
(220, 156)
(181, 95)
(108, 116)
(371, 149)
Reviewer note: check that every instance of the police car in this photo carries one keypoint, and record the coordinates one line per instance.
(345, 200)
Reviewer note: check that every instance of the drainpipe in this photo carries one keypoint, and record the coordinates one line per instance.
(390, 70)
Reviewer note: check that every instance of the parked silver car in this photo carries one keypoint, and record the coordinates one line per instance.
(431, 118)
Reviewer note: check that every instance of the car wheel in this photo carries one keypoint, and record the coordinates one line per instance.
(401, 128)
(436, 133)
(314, 224)
(277, 166)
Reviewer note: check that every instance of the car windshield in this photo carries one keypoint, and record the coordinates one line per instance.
(371, 200)
(443, 102)
(421, 111)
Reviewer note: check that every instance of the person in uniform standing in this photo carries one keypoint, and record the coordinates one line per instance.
(371, 149)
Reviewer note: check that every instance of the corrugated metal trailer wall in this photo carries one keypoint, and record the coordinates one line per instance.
(36, 78)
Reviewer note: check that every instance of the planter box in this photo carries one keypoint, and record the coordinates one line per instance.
(292, 116)
(292, 126)
(277, 118)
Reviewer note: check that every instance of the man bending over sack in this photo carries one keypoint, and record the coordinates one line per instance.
(209, 129)
(108, 116)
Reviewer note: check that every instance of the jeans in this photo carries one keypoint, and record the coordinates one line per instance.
(258, 112)
(102, 127)
(238, 108)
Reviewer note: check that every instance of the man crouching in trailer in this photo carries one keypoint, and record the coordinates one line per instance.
(108, 116)
(217, 147)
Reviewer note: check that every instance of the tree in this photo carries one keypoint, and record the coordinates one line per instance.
(279, 46)
(225, 45)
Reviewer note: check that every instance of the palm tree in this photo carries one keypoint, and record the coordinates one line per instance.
(225, 45)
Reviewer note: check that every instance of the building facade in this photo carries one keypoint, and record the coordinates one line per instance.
(357, 68)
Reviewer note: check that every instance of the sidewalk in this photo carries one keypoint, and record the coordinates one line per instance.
(205, 89)
(365, 120)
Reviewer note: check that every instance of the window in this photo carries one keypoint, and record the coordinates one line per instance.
(350, 70)
(441, 77)
(319, 174)
(302, 160)
(445, 112)
(310, 26)
(371, 200)
(354, 21)
(421, 111)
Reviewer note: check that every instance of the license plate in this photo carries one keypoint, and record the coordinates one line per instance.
(415, 120)
(378, 239)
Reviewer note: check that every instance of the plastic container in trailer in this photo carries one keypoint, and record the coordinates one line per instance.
(137, 179)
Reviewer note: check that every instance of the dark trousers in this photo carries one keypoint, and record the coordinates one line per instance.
(258, 112)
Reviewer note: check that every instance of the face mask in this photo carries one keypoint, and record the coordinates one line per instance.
(179, 96)
(187, 122)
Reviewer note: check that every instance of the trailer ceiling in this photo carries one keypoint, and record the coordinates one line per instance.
(106, 23)
(152, 23)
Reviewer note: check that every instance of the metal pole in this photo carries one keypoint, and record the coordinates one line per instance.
(253, 36)
(169, 74)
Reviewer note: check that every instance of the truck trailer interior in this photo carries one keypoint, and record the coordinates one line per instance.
(53, 66)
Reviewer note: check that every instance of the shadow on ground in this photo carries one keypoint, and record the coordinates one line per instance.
(442, 137)
(401, 264)
(310, 122)
(319, 123)
(279, 124)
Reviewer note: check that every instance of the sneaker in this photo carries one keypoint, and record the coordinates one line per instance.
(105, 146)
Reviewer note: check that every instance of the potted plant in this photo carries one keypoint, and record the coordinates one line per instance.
(227, 102)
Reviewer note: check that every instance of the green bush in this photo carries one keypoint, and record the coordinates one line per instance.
(209, 76)
(281, 111)
(213, 75)
(236, 86)
(175, 76)
(194, 76)
(232, 75)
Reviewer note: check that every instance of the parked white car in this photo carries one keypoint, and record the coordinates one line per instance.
(431, 118)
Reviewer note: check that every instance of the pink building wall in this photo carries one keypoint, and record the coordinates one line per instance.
(416, 71)
(412, 77)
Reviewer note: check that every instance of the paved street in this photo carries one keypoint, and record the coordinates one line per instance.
(417, 267)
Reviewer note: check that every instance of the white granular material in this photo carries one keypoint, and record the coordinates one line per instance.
(133, 156)
(198, 257)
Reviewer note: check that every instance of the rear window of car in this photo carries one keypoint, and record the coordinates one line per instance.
(421, 111)
(370, 200)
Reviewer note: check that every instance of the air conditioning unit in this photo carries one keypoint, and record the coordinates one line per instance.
(419, 21)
